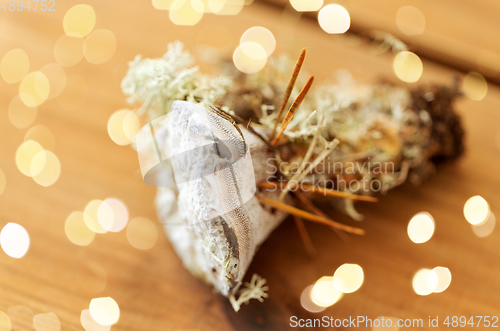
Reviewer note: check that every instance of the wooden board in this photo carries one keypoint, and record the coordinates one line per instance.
(460, 34)
(152, 288)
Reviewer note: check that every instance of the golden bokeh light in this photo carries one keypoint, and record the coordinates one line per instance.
(216, 6)
(76, 230)
(306, 5)
(162, 4)
(74, 94)
(410, 20)
(250, 57)
(45, 168)
(348, 278)
(439, 279)
(89, 324)
(131, 125)
(421, 227)
(253, 50)
(90, 216)
(46, 322)
(34, 89)
(5, 324)
(57, 78)
(3, 181)
(407, 66)
(123, 126)
(419, 282)
(38, 163)
(307, 303)
(15, 66)
(475, 86)
(261, 36)
(142, 233)
(42, 135)
(25, 154)
(324, 293)
(14, 240)
(432, 280)
(206, 6)
(226, 7)
(79, 20)
(104, 311)
(112, 215)
(186, 12)
(68, 51)
(485, 228)
(334, 19)
(386, 324)
(99, 46)
(476, 210)
(20, 115)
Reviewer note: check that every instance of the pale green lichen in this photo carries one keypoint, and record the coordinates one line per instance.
(157, 83)
(256, 289)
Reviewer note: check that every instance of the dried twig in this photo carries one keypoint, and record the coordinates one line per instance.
(318, 190)
(309, 152)
(312, 208)
(306, 240)
(310, 149)
(241, 121)
(339, 194)
(328, 149)
(308, 216)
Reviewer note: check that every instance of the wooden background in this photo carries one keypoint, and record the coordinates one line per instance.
(152, 288)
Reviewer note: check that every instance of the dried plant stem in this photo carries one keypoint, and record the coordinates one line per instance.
(328, 149)
(289, 89)
(308, 216)
(293, 109)
(241, 121)
(335, 193)
(318, 190)
(312, 146)
(309, 152)
(312, 208)
(403, 174)
(306, 240)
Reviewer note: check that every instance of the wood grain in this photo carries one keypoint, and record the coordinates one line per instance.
(152, 288)
(460, 34)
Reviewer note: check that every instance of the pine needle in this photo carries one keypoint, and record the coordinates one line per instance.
(308, 216)
(318, 190)
(312, 208)
(306, 240)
